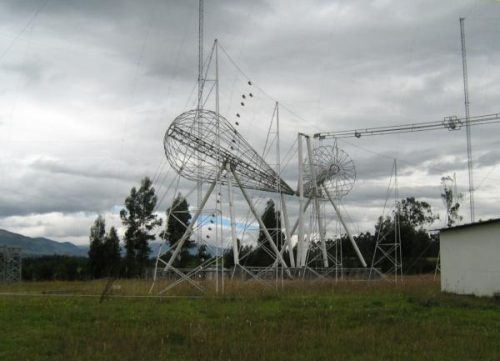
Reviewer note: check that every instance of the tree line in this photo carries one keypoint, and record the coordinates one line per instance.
(106, 257)
(420, 247)
(141, 222)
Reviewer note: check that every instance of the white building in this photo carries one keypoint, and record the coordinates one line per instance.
(470, 258)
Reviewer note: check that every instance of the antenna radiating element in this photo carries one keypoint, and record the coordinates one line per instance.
(219, 144)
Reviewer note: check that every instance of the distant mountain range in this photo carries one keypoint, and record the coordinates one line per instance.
(40, 246)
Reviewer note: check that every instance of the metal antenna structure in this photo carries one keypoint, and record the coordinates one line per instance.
(221, 144)
(388, 251)
(201, 84)
(327, 174)
(227, 159)
(451, 123)
(335, 171)
(202, 146)
(10, 264)
(467, 121)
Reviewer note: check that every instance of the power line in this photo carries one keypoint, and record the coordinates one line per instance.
(238, 68)
(23, 30)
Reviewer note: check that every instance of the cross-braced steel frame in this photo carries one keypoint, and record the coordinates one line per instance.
(10, 264)
(202, 146)
(388, 249)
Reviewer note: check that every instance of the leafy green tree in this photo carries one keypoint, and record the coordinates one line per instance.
(417, 214)
(178, 219)
(366, 245)
(50, 268)
(264, 254)
(244, 252)
(97, 261)
(140, 221)
(111, 250)
(104, 251)
(451, 200)
(416, 242)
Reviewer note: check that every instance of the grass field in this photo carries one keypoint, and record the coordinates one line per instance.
(312, 321)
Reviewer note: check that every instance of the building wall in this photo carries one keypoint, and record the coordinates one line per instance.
(470, 260)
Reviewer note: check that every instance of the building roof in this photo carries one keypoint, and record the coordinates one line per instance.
(467, 225)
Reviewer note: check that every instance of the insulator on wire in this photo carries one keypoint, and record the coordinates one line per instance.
(251, 95)
(242, 104)
(234, 140)
(238, 115)
(249, 82)
(232, 148)
(243, 96)
(237, 123)
(209, 228)
(212, 221)
(208, 236)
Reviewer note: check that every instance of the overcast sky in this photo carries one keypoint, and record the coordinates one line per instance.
(88, 89)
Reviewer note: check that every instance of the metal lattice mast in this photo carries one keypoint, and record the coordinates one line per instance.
(278, 189)
(221, 160)
(467, 120)
(388, 252)
(398, 267)
(10, 264)
(315, 196)
(199, 184)
(200, 54)
(329, 175)
(284, 212)
(300, 240)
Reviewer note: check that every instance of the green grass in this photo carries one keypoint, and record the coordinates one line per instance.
(318, 321)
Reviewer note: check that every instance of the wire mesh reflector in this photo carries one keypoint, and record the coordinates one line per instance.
(334, 169)
(199, 142)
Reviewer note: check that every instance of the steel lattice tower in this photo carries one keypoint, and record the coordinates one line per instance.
(10, 264)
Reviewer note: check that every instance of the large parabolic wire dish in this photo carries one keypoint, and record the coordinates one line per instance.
(199, 142)
(334, 170)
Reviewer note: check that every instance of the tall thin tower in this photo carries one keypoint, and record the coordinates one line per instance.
(467, 121)
(200, 55)
(201, 81)
(388, 253)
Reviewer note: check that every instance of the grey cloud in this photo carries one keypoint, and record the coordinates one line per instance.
(108, 77)
(31, 69)
(44, 195)
(96, 171)
(377, 194)
(490, 158)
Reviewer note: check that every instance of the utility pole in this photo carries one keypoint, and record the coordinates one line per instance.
(467, 121)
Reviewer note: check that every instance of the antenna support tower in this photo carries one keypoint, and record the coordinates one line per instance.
(388, 252)
(201, 84)
(10, 264)
(467, 121)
